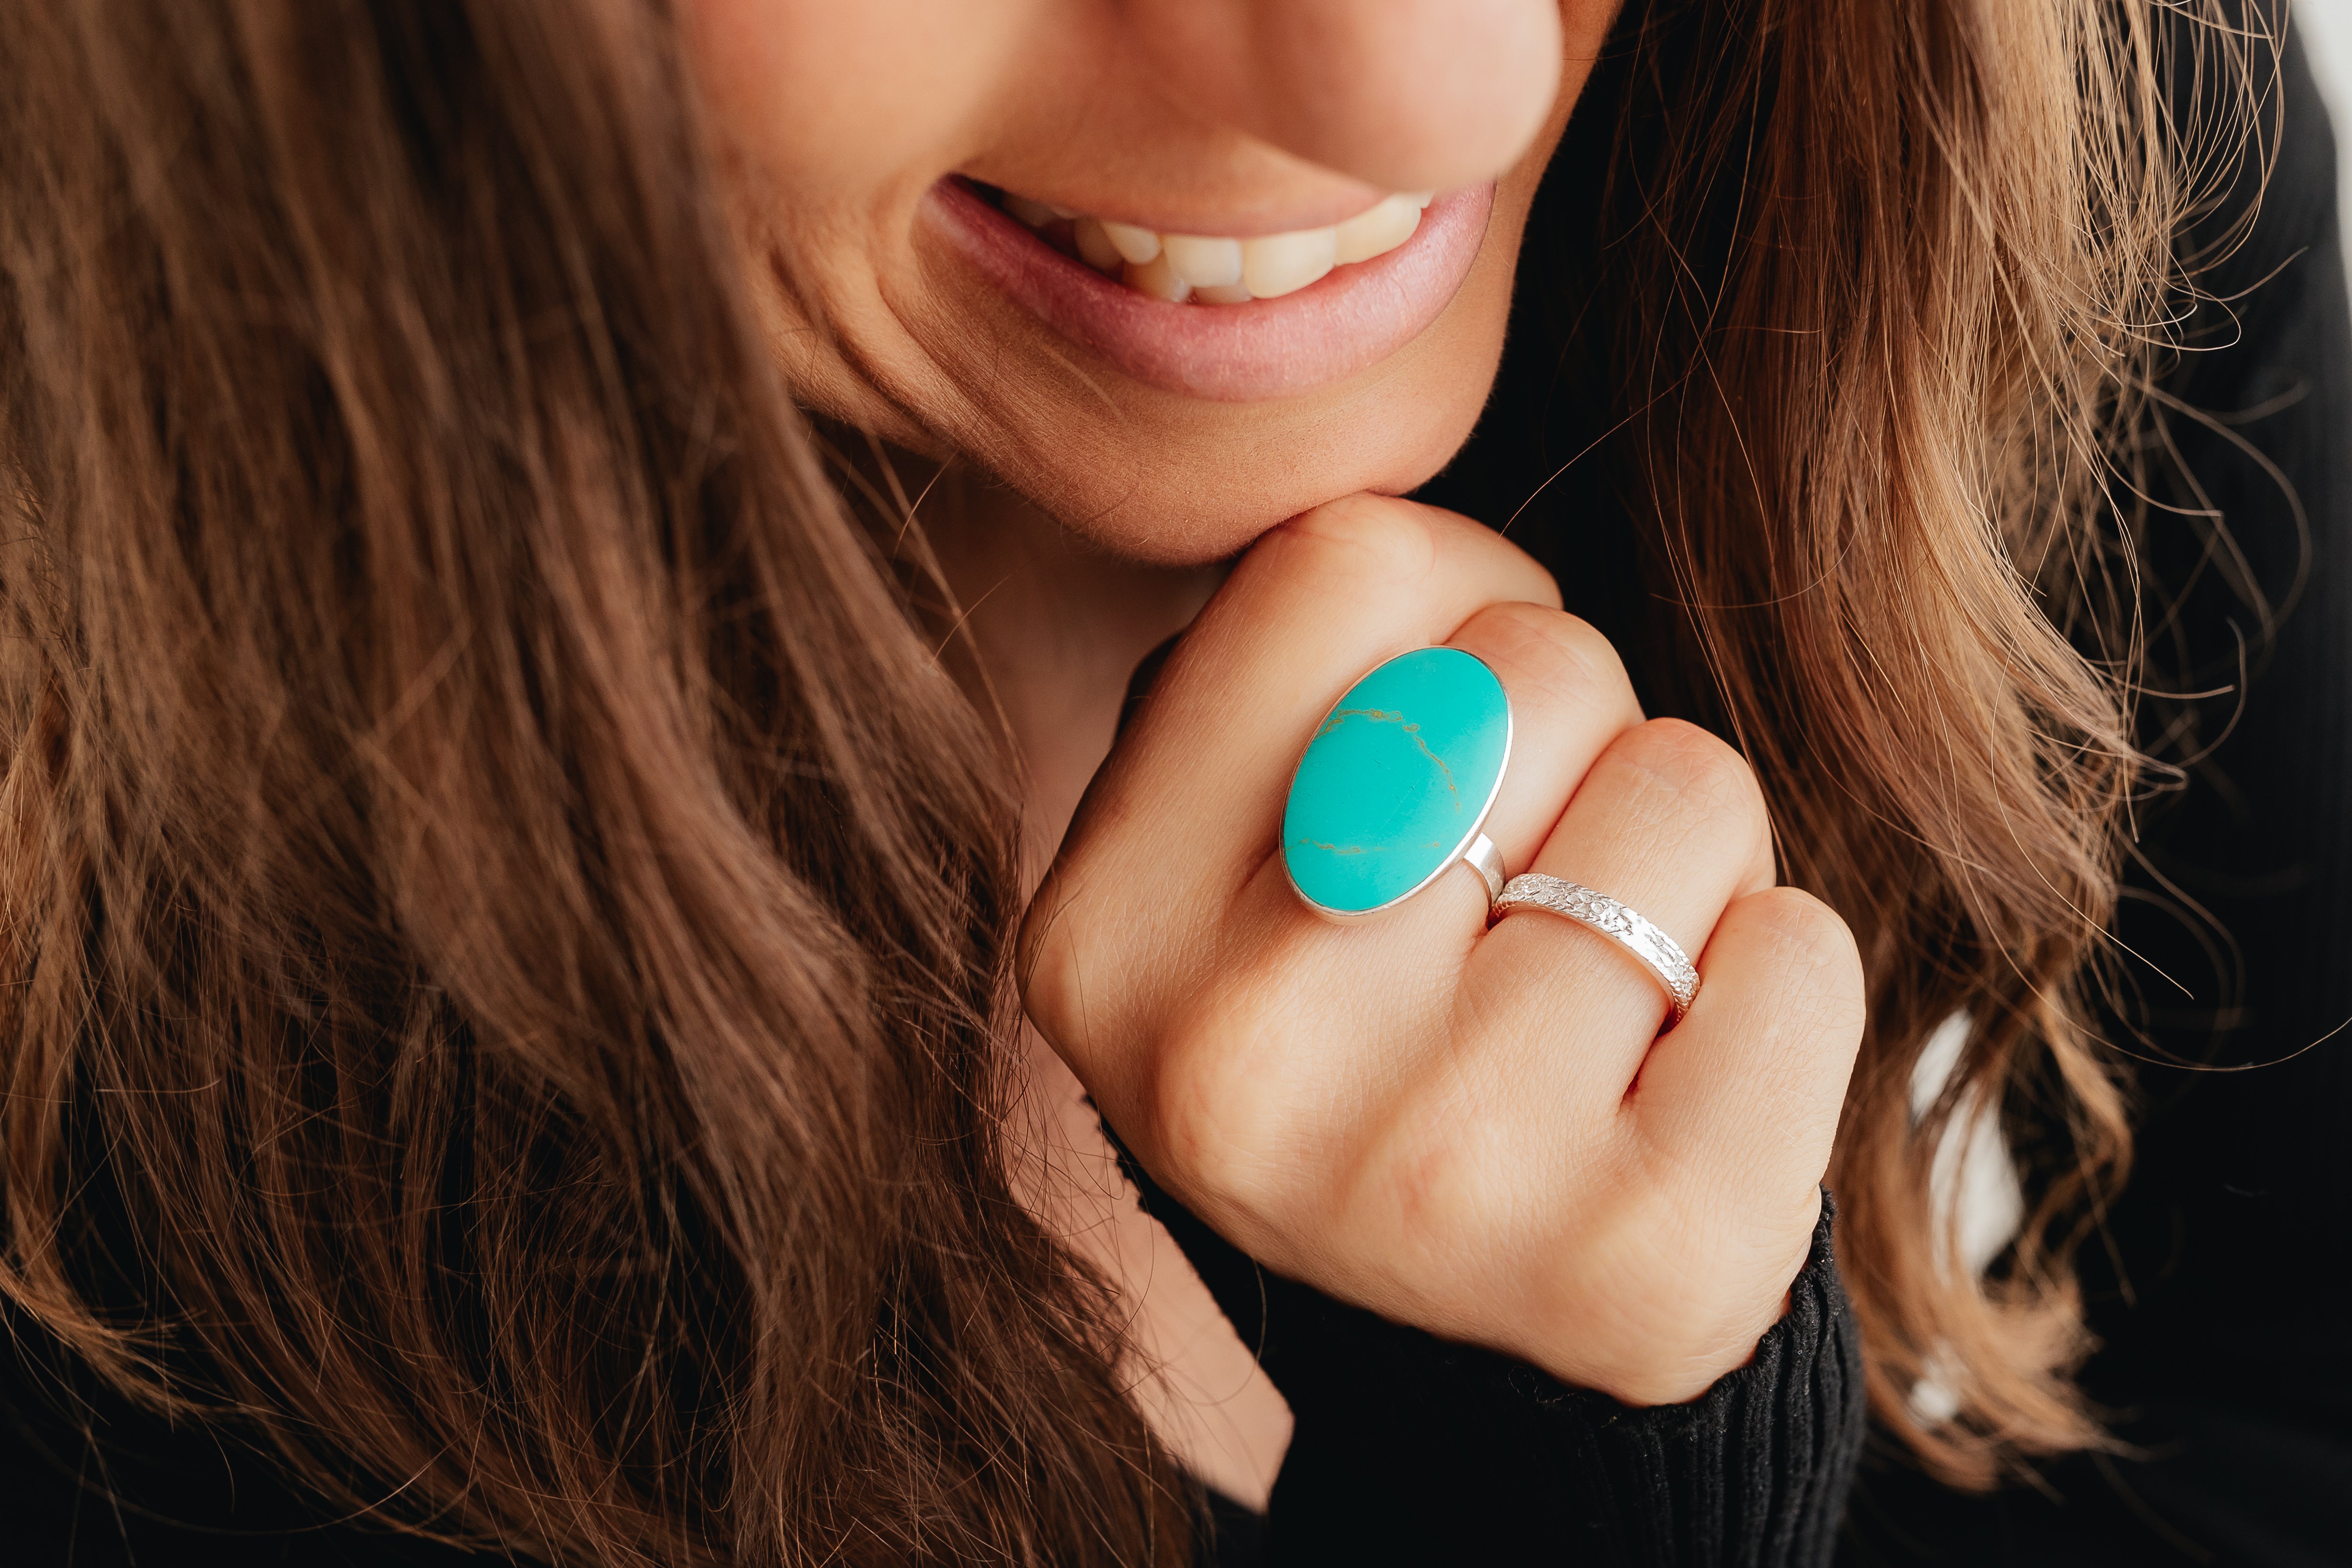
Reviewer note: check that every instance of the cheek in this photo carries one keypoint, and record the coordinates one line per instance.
(832, 98)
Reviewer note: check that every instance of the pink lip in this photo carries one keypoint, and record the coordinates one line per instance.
(1356, 317)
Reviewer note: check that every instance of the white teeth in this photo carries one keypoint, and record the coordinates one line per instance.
(1095, 247)
(1212, 269)
(1374, 233)
(1202, 262)
(1158, 280)
(1138, 244)
(1278, 264)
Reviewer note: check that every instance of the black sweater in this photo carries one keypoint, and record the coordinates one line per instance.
(2218, 1292)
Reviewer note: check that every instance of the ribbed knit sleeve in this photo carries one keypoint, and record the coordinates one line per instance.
(1411, 1449)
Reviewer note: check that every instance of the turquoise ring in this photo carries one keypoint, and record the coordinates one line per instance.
(1395, 784)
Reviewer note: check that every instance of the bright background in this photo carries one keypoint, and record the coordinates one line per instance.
(2327, 27)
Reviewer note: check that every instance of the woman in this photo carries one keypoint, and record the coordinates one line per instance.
(513, 1027)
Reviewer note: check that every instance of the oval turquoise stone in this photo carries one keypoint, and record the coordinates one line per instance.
(1397, 780)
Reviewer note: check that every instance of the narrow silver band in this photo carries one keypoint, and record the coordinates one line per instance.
(1659, 952)
(1483, 857)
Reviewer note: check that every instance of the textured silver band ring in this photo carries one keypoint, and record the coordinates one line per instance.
(1659, 954)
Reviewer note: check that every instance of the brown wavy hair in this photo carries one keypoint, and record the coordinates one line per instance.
(506, 921)
(1920, 286)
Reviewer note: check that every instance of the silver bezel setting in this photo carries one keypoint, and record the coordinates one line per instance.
(1453, 856)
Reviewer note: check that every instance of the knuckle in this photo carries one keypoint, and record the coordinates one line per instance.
(1698, 768)
(1045, 965)
(1184, 1129)
(1550, 650)
(1208, 1117)
(1811, 949)
(1075, 987)
(1195, 1150)
(1806, 931)
(1361, 538)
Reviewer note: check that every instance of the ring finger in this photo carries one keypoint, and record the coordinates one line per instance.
(1669, 822)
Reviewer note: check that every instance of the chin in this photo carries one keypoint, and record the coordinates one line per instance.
(1175, 503)
(1177, 479)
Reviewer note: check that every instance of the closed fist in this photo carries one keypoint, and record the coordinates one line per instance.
(1478, 1132)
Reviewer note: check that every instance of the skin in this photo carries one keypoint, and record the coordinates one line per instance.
(1479, 1132)
(841, 117)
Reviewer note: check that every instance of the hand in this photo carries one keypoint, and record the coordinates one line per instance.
(1478, 1132)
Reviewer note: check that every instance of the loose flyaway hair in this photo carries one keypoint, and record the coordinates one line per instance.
(505, 919)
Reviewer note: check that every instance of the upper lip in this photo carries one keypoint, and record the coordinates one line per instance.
(1226, 216)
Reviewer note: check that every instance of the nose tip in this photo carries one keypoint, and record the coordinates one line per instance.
(1402, 94)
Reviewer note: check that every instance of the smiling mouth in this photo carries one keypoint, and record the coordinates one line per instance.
(1214, 269)
(1330, 321)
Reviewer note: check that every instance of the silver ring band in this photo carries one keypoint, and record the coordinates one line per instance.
(1659, 954)
(1483, 857)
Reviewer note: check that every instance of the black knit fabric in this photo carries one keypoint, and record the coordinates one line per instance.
(1411, 1449)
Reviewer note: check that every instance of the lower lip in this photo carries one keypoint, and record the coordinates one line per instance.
(1352, 319)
